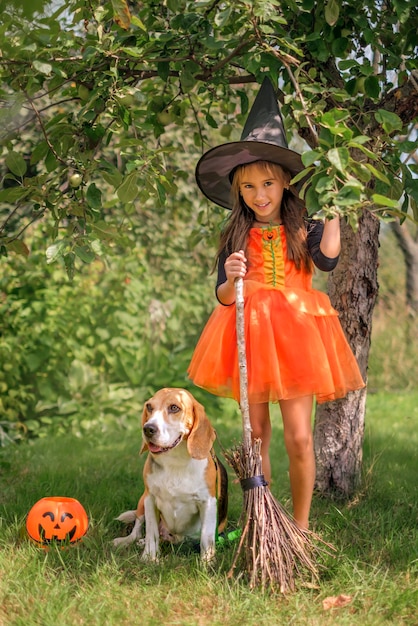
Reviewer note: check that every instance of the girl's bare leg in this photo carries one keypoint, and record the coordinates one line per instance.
(261, 427)
(298, 439)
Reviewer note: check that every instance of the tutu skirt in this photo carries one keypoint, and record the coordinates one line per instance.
(295, 347)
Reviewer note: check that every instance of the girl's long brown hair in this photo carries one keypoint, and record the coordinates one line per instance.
(235, 234)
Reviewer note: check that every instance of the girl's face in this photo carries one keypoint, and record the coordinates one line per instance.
(261, 189)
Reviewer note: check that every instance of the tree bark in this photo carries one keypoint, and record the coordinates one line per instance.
(339, 425)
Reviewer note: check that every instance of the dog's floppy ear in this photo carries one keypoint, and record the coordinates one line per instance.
(144, 446)
(202, 435)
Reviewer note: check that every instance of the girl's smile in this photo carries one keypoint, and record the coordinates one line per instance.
(262, 191)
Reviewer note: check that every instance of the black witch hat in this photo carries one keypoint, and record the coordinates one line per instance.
(263, 139)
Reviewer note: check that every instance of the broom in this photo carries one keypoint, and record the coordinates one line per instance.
(274, 550)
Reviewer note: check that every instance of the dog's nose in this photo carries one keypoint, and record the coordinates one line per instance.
(150, 430)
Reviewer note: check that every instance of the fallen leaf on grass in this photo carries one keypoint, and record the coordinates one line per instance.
(336, 602)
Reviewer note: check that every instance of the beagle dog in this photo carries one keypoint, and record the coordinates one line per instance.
(186, 486)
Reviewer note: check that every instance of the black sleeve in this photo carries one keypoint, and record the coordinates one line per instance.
(322, 262)
(221, 274)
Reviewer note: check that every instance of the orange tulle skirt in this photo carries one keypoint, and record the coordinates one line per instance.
(295, 347)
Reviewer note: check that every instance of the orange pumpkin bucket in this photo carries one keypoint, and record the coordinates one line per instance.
(58, 520)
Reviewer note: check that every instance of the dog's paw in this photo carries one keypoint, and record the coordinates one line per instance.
(126, 541)
(208, 555)
(122, 541)
(147, 557)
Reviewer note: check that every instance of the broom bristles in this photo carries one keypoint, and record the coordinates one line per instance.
(275, 552)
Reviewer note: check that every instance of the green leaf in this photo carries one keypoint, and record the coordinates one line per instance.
(13, 194)
(55, 251)
(411, 188)
(302, 175)
(69, 262)
(223, 17)
(389, 121)
(43, 68)
(339, 158)
(244, 102)
(105, 231)
(94, 196)
(332, 12)
(51, 162)
(324, 183)
(372, 87)
(16, 163)
(348, 195)
(311, 201)
(384, 201)
(361, 172)
(132, 51)
(97, 247)
(139, 23)
(187, 80)
(366, 151)
(19, 247)
(347, 64)
(163, 68)
(85, 253)
(39, 152)
(211, 121)
(380, 175)
(161, 192)
(310, 156)
(128, 190)
(339, 46)
(331, 118)
(110, 173)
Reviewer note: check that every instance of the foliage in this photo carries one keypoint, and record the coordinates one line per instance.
(91, 91)
(375, 535)
(84, 355)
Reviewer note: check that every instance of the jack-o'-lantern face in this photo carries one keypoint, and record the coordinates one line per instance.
(57, 519)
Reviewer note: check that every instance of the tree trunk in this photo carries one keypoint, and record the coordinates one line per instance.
(339, 425)
(409, 248)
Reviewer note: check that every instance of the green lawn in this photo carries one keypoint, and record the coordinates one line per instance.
(375, 535)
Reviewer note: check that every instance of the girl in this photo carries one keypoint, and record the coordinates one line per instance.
(296, 349)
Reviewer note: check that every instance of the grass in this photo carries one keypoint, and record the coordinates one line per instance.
(376, 536)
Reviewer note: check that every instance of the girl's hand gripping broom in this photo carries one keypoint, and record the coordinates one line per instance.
(273, 549)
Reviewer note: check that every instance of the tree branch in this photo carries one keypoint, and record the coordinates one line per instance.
(401, 100)
(41, 124)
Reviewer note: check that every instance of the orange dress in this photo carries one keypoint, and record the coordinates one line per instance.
(295, 344)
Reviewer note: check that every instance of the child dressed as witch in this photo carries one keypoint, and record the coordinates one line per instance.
(296, 348)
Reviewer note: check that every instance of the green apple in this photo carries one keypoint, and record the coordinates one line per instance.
(76, 180)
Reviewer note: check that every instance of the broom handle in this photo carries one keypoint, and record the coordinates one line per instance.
(242, 363)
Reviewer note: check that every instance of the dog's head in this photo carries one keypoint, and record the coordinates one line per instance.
(172, 416)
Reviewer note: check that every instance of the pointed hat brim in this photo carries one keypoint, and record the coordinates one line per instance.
(215, 166)
(263, 138)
